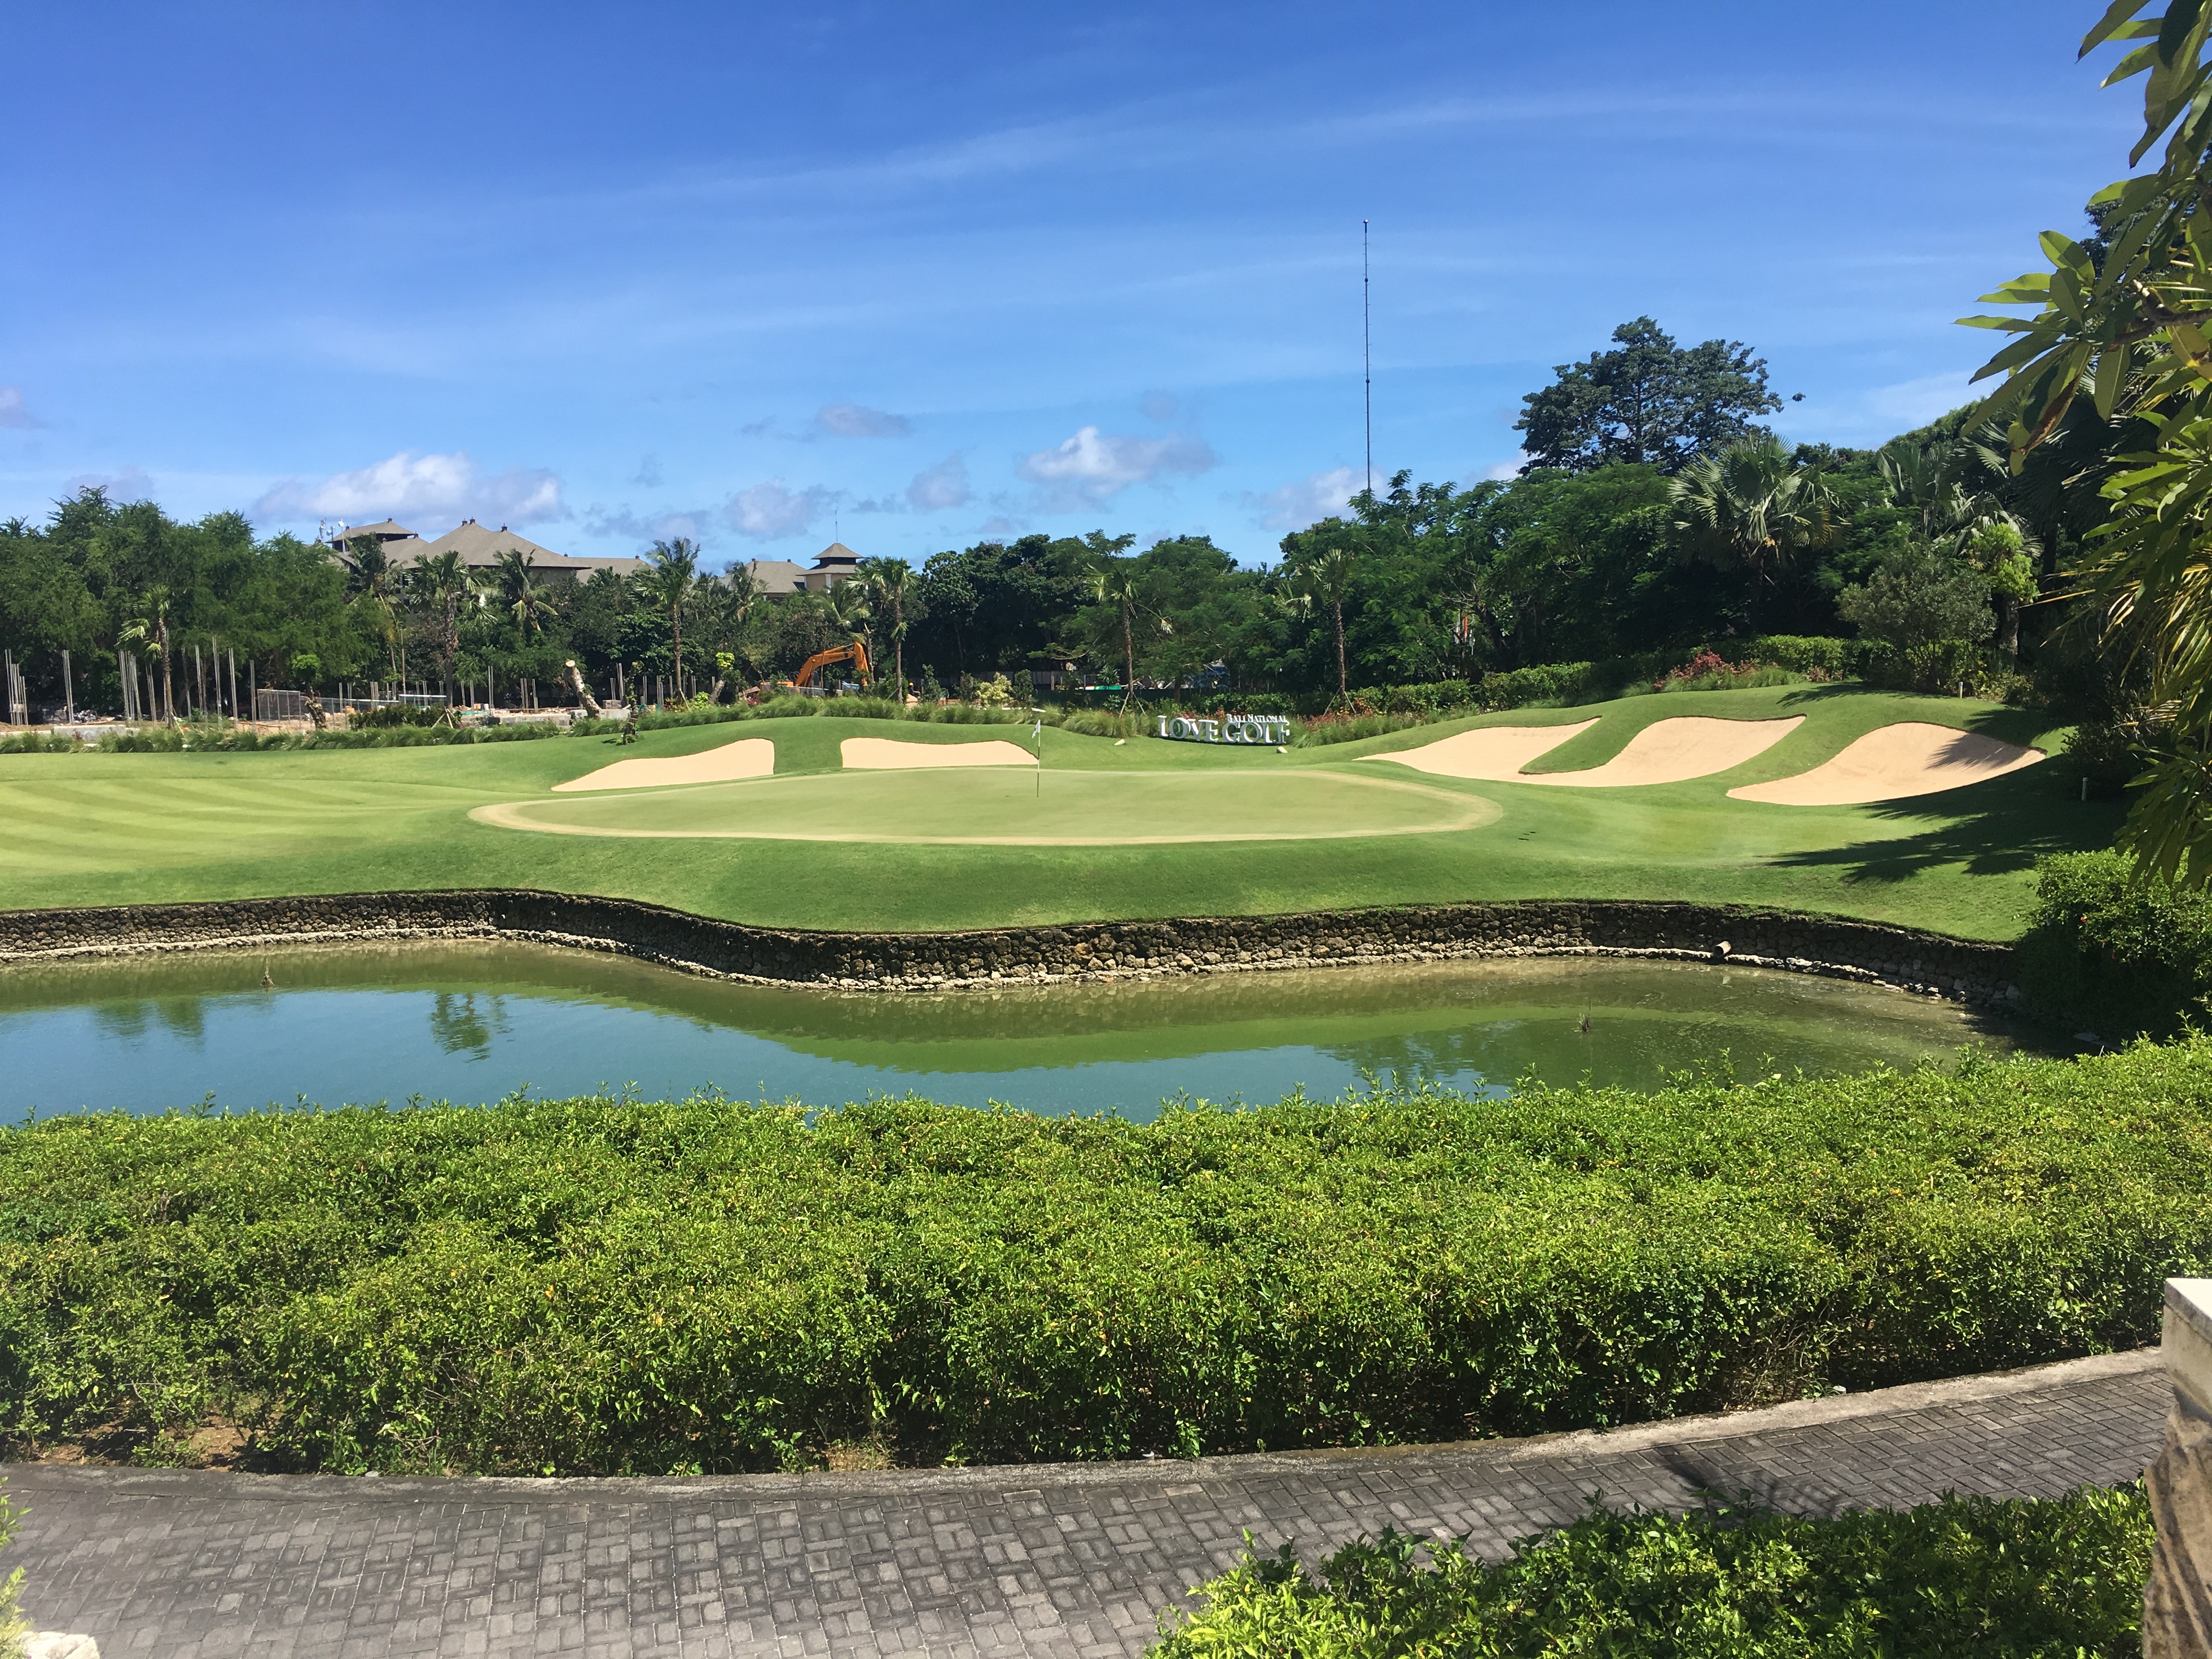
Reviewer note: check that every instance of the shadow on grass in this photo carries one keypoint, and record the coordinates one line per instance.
(1992, 828)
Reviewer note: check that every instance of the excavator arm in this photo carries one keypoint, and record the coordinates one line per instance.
(856, 653)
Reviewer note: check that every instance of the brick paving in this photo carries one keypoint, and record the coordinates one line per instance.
(1061, 1559)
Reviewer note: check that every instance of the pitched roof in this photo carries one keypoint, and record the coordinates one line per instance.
(835, 553)
(480, 546)
(387, 530)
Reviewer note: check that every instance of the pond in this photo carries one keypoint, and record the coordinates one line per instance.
(473, 1023)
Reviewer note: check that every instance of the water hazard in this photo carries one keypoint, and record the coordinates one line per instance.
(471, 1024)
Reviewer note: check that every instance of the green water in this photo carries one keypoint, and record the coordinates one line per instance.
(474, 1022)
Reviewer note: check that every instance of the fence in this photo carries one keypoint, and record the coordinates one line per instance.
(278, 705)
(19, 698)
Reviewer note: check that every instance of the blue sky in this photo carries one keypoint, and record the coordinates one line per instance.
(915, 274)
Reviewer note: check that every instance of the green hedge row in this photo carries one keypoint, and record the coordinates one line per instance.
(2107, 955)
(612, 1285)
(1966, 1578)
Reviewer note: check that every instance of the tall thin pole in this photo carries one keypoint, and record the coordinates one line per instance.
(1367, 356)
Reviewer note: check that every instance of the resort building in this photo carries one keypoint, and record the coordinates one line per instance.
(777, 578)
(480, 549)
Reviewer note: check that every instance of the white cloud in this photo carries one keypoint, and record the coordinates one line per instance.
(1314, 497)
(1505, 470)
(13, 410)
(1093, 467)
(128, 483)
(769, 511)
(648, 526)
(993, 528)
(412, 486)
(648, 473)
(1159, 406)
(942, 487)
(854, 420)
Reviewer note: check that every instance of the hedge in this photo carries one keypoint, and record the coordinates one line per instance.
(622, 1286)
(2109, 955)
(1966, 1578)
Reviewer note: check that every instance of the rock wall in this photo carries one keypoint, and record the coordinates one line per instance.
(1927, 963)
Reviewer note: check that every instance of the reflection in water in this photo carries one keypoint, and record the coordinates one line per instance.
(474, 1022)
(458, 1029)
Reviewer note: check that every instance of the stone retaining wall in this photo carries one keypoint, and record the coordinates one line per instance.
(1927, 963)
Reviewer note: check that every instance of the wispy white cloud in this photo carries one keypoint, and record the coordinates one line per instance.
(999, 527)
(770, 511)
(419, 486)
(941, 487)
(695, 524)
(1092, 466)
(857, 420)
(13, 410)
(1916, 403)
(1317, 495)
(1505, 470)
(127, 483)
(648, 473)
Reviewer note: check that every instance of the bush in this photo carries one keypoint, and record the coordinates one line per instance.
(2102, 754)
(386, 716)
(1710, 671)
(41, 742)
(1351, 728)
(2113, 955)
(603, 1285)
(1964, 1578)
(1102, 723)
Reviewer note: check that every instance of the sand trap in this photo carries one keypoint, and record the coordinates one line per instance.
(889, 755)
(1676, 750)
(1490, 754)
(748, 757)
(1666, 751)
(1893, 762)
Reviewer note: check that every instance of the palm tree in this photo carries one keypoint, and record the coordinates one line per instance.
(152, 629)
(514, 577)
(1752, 506)
(846, 605)
(372, 577)
(1117, 583)
(890, 583)
(440, 585)
(1325, 579)
(670, 585)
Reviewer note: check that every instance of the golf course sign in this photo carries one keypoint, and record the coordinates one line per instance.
(1228, 728)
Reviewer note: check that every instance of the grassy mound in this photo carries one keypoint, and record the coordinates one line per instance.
(617, 1286)
(1966, 1578)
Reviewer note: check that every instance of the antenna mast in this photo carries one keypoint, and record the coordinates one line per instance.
(1367, 356)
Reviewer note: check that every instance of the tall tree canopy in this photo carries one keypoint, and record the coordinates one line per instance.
(1647, 401)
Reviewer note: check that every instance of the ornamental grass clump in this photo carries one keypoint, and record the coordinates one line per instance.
(608, 1286)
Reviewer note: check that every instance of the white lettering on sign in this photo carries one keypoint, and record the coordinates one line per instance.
(1270, 729)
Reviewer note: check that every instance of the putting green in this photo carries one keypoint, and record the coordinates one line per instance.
(983, 808)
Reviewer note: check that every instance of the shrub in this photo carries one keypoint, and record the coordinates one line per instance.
(41, 742)
(1102, 723)
(613, 1286)
(1964, 1578)
(1710, 671)
(1350, 727)
(2112, 954)
(385, 716)
(2102, 754)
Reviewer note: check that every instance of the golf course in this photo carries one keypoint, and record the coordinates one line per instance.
(836, 822)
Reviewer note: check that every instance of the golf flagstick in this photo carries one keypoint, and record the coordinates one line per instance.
(1039, 735)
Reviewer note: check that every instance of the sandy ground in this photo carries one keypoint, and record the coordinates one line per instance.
(1490, 753)
(747, 757)
(1666, 751)
(1893, 762)
(889, 755)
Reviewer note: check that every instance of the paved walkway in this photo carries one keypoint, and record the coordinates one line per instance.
(1061, 1559)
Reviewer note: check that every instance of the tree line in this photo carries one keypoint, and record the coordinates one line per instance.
(1656, 513)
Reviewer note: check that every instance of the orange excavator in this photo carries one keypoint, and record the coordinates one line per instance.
(856, 653)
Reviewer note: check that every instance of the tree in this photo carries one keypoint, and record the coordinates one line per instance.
(2123, 325)
(891, 586)
(1919, 601)
(514, 580)
(375, 584)
(1324, 581)
(1649, 401)
(1752, 505)
(152, 629)
(440, 585)
(1118, 583)
(669, 585)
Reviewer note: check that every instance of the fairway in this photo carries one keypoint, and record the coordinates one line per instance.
(954, 807)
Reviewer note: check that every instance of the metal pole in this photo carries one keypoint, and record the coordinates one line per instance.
(1367, 356)
(68, 690)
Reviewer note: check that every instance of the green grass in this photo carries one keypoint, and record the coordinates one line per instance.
(94, 828)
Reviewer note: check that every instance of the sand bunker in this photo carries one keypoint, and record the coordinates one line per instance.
(748, 757)
(889, 755)
(1490, 754)
(1676, 750)
(1666, 751)
(1893, 762)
